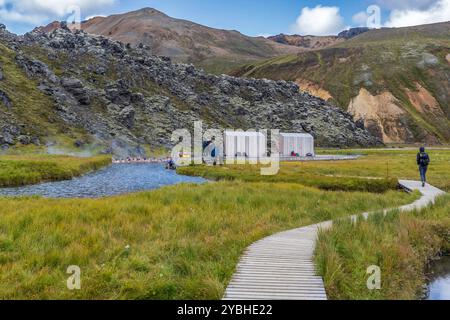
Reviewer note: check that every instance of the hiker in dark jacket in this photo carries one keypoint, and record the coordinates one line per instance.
(423, 161)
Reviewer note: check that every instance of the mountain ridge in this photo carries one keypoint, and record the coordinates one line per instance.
(91, 90)
(216, 50)
(395, 80)
(311, 42)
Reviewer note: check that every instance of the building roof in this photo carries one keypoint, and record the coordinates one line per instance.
(244, 134)
(296, 135)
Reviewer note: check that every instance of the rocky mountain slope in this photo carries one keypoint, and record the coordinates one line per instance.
(184, 41)
(317, 42)
(90, 89)
(307, 42)
(397, 81)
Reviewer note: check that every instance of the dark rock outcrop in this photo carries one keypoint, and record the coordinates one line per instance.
(76, 88)
(127, 116)
(8, 134)
(134, 98)
(4, 99)
(353, 32)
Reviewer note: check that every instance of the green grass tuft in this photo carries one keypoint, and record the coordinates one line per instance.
(32, 169)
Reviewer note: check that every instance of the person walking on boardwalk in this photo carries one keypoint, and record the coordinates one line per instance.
(423, 161)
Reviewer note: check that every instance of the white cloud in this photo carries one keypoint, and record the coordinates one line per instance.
(40, 11)
(438, 12)
(360, 19)
(14, 16)
(319, 21)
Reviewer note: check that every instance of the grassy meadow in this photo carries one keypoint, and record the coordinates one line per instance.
(401, 244)
(184, 241)
(394, 163)
(18, 170)
(382, 167)
(291, 173)
(179, 242)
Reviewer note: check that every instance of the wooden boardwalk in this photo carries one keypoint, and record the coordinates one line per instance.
(281, 267)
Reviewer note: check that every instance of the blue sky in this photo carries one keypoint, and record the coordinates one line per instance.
(251, 17)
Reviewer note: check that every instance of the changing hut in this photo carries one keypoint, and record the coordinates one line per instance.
(301, 144)
(245, 144)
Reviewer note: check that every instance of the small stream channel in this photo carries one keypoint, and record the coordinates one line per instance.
(439, 286)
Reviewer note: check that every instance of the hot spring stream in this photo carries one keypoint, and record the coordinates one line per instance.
(114, 180)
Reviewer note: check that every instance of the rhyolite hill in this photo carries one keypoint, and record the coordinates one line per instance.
(90, 89)
(214, 50)
(317, 42)
(397, 81)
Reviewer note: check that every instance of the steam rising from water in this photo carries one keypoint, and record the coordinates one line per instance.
(53, 150)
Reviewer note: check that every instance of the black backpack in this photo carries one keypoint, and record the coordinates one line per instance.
(424, 159)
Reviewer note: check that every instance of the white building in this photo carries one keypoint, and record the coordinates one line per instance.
(298, 143)
(245, 145)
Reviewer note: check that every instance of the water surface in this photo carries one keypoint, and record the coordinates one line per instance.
(113, 180)
(439, 288)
